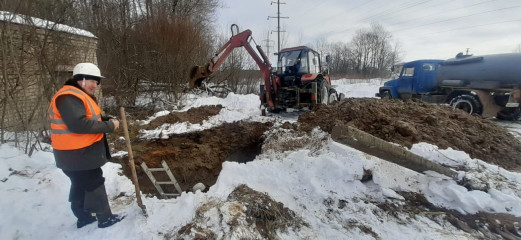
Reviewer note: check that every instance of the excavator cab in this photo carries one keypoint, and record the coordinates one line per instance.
(291, 62)
(295, 62)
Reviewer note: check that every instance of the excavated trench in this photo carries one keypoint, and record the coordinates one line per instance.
(194, 157)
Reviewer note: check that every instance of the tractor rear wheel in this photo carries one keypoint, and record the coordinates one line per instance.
(467, 103)
(333, 96)
(323, 93)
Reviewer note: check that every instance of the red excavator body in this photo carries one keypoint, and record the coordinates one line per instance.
(298, 81)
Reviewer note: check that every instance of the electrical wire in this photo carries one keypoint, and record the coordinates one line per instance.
(393, 10)
(387, 12)
(438, 13)
(474, 26)
(341, 13)
(456, 18)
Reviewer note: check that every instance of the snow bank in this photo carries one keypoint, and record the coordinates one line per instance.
(235, 108)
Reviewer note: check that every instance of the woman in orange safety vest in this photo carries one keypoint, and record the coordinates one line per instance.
(80, 146)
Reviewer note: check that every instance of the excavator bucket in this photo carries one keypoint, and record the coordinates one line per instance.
(197, 75)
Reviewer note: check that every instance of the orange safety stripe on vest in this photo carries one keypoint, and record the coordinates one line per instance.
(61, 137)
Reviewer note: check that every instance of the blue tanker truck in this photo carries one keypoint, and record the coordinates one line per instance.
(488, 85)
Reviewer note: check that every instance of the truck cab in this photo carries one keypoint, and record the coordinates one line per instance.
(488, 85)
(416, 77)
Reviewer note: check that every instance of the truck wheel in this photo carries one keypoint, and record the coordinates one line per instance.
(509, 114)
(467, 103)
(385, 95)
(323, 93)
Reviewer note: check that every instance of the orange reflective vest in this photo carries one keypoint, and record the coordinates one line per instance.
(61, 137)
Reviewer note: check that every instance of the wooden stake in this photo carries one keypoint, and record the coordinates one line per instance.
(384, 150)
(131, 160)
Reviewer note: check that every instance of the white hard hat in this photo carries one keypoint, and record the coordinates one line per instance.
(87, 69)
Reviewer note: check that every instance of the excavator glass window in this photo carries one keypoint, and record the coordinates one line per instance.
(314, 67)
(292, 62)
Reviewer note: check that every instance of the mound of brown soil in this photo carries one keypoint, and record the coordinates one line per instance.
(248, 213)
(411, 122)
(193, 115)
(481, 225)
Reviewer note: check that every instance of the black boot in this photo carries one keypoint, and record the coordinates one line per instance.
(83, 222)
(84, 217)
(97, 201)
(107, 220)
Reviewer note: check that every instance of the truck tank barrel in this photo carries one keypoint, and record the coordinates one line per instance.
(487, 71)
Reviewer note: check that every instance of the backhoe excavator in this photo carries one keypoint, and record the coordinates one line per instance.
(299, 80)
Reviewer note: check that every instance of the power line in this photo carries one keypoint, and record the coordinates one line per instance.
(314, 6)
(409, 5)
(474, 26)
(451, 19)
(341, 13)
(389, 11)
(402, 7)
(452, 10)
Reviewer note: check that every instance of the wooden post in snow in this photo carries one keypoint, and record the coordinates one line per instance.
(384, 150)
(131, 160)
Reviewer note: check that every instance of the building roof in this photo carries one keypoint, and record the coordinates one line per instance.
(41, 23)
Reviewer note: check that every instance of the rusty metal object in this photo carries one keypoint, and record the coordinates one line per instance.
(197, 75)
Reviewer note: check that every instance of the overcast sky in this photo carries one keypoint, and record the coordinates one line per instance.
(434, 29)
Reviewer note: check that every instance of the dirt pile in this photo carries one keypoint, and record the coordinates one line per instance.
(411, 122)
(248, 213)
(480, 225)
(193, 115)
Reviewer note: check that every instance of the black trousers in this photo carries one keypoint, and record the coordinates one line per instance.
(82, 182)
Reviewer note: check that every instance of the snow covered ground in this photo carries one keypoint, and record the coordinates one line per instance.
(34, 192)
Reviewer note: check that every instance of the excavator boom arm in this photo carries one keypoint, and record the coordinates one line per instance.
(242, 39)
(199, 73)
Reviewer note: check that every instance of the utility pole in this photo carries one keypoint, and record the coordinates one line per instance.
(268, 41)
(278, 17)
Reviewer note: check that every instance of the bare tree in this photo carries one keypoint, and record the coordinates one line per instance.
(150, 43)
(322, 46)
(31, 53)
(342, 60)
(372, 51)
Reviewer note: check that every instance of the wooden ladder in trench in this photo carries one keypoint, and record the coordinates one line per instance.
(158, 184)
